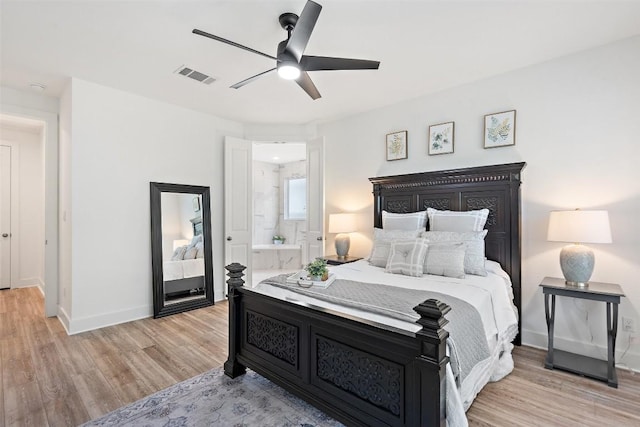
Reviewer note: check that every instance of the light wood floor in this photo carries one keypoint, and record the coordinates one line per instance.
(51, 379)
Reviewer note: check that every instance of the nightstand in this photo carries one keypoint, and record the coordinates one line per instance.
(609, 293)
(336, 260)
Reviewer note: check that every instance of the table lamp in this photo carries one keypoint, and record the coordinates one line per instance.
(578, 226)
(342, 223)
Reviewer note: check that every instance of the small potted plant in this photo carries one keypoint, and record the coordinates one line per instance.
(318, 270)
(278, 240)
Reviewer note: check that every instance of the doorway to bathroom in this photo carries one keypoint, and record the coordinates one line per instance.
(274, 205)
(279, 207)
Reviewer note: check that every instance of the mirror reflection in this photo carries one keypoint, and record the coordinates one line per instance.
(182, 247)
(181, 252)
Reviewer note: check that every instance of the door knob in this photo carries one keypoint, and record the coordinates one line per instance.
(229, 238)
(5, 235)
(319, 238)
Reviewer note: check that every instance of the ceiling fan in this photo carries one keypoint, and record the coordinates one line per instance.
(291, 64)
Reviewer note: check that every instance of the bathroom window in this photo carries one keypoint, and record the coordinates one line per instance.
(295, 199)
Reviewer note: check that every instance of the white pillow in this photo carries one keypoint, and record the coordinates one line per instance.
(407, 257)
(445, 259)
(382, 243)
(404, 221)
(473, 243)
(459, 221)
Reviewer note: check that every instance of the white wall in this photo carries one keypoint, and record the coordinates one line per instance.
(577, 129)
(27, 226)
(265, 201)
(119, 143)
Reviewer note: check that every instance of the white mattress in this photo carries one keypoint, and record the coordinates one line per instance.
(182, 269)
(491, 295)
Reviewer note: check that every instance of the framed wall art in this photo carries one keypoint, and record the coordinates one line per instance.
(397, 145)
(441, 138)
(500, 129)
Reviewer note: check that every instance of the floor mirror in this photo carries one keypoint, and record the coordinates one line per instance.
(181, 253)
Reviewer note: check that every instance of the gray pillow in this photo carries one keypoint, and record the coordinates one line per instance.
(459, 221)
(382, 243)
(404, 221)
(380, 253)
(178, 254)
(473, 241)
(190, 253)
(407, 257)
(445, 259)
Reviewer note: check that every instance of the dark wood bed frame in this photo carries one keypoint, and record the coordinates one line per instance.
(360, 372)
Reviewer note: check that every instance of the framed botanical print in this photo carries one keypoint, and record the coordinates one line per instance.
(397, 145)
(441, 138)
(500, 129)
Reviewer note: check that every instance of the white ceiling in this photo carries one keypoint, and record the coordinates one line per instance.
(423, 46)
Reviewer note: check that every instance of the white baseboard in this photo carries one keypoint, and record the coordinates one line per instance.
(63, 317)
(90, 323)
(630, 361)
(29, 283)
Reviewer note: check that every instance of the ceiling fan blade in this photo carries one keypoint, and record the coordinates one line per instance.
(220, 39)
(302, 31)
(304, 81)
(320, 63)
(250, 79)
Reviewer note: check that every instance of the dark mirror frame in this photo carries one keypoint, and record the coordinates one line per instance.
(159, 307)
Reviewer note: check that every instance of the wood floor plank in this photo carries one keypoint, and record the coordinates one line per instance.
(96, 393)
(51, 379)
(23, 406)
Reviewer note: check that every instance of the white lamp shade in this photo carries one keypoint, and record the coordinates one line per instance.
(180, 242)
(579, 226)
(342, 223)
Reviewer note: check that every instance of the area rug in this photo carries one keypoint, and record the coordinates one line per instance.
(213, 399)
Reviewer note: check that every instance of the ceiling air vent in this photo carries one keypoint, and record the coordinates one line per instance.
(195, 75)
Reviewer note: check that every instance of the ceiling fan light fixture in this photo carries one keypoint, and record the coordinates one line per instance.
(289, 71)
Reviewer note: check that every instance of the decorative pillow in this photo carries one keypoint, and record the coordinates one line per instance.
(382, 243)
(190, 253)
(473, 243)
(445, 259)
(404, 221)
(178, 254)
(200, 248)
(380, 253)
(407, 257)
(460, 221)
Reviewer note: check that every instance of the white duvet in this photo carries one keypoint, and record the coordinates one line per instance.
(491, 295)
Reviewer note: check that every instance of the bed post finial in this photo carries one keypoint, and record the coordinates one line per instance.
(235, 271)
(432, 362)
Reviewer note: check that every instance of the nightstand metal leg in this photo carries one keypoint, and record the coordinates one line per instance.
(612, 331)
(550, 314)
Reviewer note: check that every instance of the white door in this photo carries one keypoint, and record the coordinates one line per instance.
(238, 196)
(5, 217)
(314, 243)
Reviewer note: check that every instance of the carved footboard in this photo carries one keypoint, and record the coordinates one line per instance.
(357, 371)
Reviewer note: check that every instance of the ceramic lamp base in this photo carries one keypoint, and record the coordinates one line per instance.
(577, 263)
(342, 245)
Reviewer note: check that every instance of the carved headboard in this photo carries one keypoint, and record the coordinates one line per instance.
(496, 188)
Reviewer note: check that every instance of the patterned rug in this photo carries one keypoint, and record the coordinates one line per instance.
(213, 399)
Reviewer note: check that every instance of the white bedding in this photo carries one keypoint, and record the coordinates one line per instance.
(491, 295)
(183, 269)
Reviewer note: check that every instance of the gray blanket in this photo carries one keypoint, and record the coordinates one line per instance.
(467, 339)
